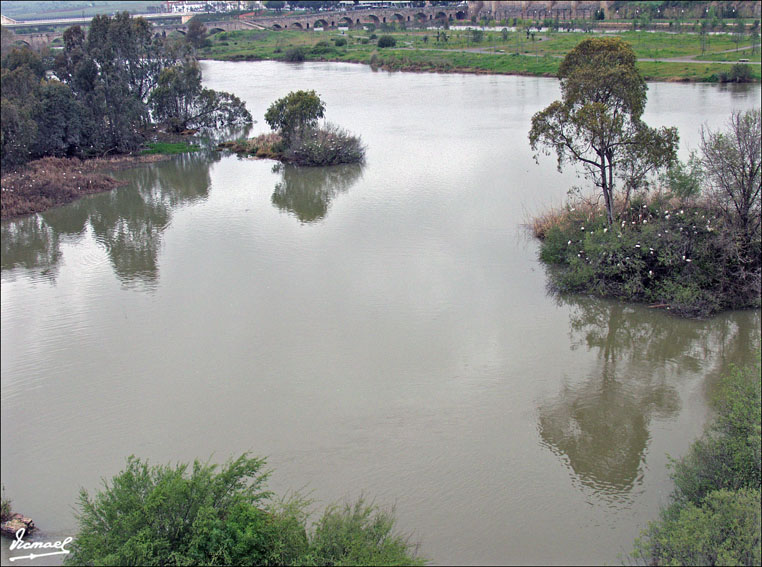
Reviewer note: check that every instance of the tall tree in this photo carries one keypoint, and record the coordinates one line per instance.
(732, 161)
(295, 113)
(597, 122)
(181, 103)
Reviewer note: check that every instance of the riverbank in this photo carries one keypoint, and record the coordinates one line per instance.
(51, 182)
(662, 56)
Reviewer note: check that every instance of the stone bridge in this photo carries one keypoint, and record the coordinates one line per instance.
(360, 17)
(41, 39)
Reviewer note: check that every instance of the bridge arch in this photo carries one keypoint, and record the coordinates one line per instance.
(215, 30)
(297, 25)
(373, 19)
(277, 27)
(320, 23)
(345, 21)
(398, 17)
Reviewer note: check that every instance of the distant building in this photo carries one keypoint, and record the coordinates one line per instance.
(187, 7)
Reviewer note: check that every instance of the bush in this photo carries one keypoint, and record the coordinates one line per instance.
(386, 41)
(714, 518)
(683, 256)
(295, 54)
(340, 42)
(329, 145)
(5, 507)
(321, 48)
(164, 515)
(360, 535)
(723, 531)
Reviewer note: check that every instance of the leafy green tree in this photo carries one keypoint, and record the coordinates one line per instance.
(196, 33)
(296, 112)
(58, 115)
(276, 5)
(597, 123)
(386, 41)
(181, 103)
(17, 133)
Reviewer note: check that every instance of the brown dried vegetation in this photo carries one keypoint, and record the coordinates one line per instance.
(50, 182)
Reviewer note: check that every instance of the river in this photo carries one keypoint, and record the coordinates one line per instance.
(381, 329)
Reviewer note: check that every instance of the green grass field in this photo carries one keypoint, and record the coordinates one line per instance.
(422, 51)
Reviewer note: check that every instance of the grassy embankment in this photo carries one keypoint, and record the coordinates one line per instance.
(420, 51)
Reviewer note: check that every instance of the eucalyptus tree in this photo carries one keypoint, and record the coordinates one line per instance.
(597, 123)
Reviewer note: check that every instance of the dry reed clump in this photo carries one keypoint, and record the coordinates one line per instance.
(267, 145)
(49, 182)
(585, 209)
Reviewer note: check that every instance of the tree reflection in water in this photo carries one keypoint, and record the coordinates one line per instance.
(128, 222)
(306, 192)
(600, 426)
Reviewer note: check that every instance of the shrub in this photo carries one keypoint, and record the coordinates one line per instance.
(714, 518)
(386, 41)
(294, 54)
(321, 48)
(164, 515)
(329, 145)
(372, 36)
(5, 507)
(683, 256)
(340, 42)
(723, 531)
(360, 535)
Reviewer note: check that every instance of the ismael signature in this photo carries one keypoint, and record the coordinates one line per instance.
(20, 544)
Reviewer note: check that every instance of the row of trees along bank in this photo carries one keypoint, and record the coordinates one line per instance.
(680, 236)
(105, 92)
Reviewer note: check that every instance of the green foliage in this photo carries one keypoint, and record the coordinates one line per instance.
(17, 133)
(5, 506)
(739, 73)
(58, 115)
(360, 534)
(181, 103)
(322, 47)
(202, 515)
(196, 33)
(685, 257)
(597, 123)
(683, 180)
(714, 518)
(723, 531)
(109, 79)
(728, 457)
(340, 42)
(294, 54)
(386, 41)
(295, 113)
